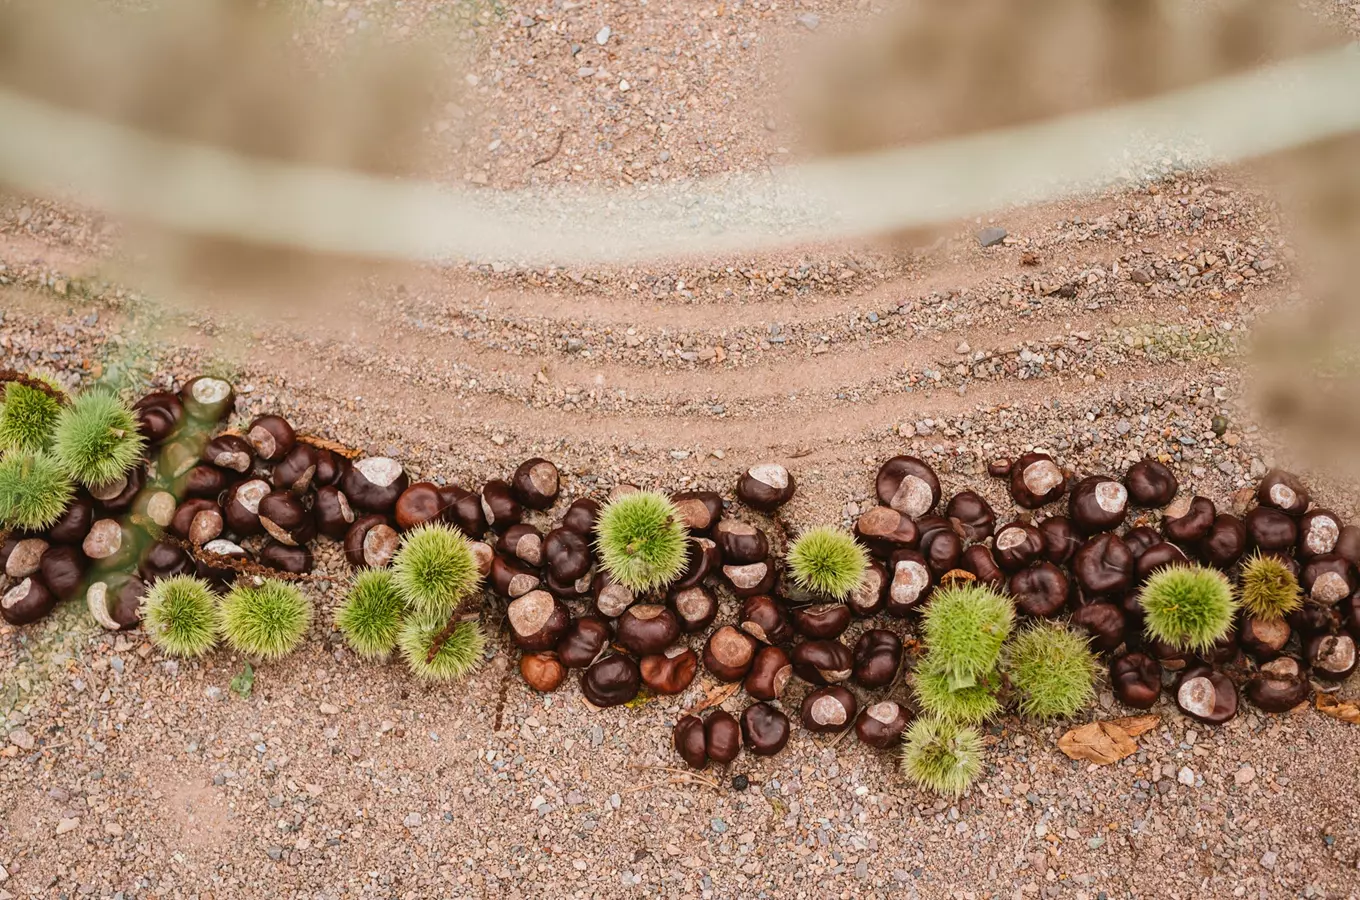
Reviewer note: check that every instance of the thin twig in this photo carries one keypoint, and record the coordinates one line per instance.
(557, 148)
(683, 773)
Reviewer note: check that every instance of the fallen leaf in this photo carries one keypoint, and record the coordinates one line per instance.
(1330, 706)
(1105, 742)
(1136, 725)
(714, 696)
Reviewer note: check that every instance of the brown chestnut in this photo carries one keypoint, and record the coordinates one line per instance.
(581, 516)
(297, 470)
(499, 505)
(822, 662)
(513, 579)
(207, 399)
(749, 580)
(1136, 680)
(271, 437)
(1040, 591)
(1188, 523)
(23, 556)
(537, 621)
(286, 558)
(333, 513)
(115, 602)
(939, 544)
(163, 559)
(769, 675)
(583, 641)
(1139, 538)
(877, 658)
(523, 542)
(699, 510)
(110, 544)
(542, 671)
(1206, 695)
(1332, 656)
(536, 483)
(159, 416)
(214, 562)
(1270, 529)
(203, 480)
(764, 729)
(1150, 484)
(1104, 622)
(1036, 480)
(981, 562)
(695, 608)
(1156, 557)
(241, 507)
(669, 672)
(1098, 503)
(330, 467)
(1264, 639)
(765, 620)
(26, 602)
(908, 485)
(374, 483)
(690, 743)
(1061, 539)
(1319, 531)
(880, 725)
(1283, 491)
(703, 559)
(231, 452)
(75, 522)
(1104, 567)
(463, 510)
(971, 515)
(286, 520)
(825, 620)
(722, 736)
(828, 710)
(566, 553)
(1226, 541)
(611, 598)
(911, 582)
(1348, 544)
(371, 542)
(418, 505)
(117, 496)
(869, 598)
(766, 486)
(1279, 686)
(885, 530)
(611, 681)
(740, 542)
(62, 568)
(1312, 619)
(1328, 579)
(999, 468)
(729, 654)
(646, 628)
(1017, 545)
(178, 457)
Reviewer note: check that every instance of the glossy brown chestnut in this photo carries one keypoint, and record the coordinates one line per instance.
(542, 671)
(1173, 659)
(722, 736)
(117, 497)
(1313, 619)
(115, 602)
(611, 681)
(1188, 523)
(110, 544)
(699, 510)
(213, 562)
(765, 620)
(1136, 680)
(869, 598)
(822, 662)
(536, 483)
(766, 486)
(611, 598)
(702, 560)
(162, 559)
(23, 556)
(178, 457)
(825, 620)
(1104, 622)
(26, 602)
(689, 741)
(1158, 556)
(729, 654)
(908, 485)
(769, 675)
(231, 452)
(207, 399)
(1040, 591)
(419, 504)
(877, 657)
(1036, 480)
(271, 437)
(581, 516)
(500, 506)
(1331, 656)
(330, 467)
(1098, 503)
(880, 725)
(695, 608)
(669, 672)
(999, 468)
(583, 641)
(911, 582)
(567, 554)
(286, 520)
(523, 542)
(1104, 567)
(1206, 695)
(1328, 579)
(1270, 529)
(1150, 484)
(241, 507)
(62, 569)
(1283, 491)
(1264, 639)
(484, 556)
(1226, 541)
(1319, 531)
(971, 515)
(463, 510)
(297, 470)
(749, 580)
(286, 558)
(1017, 545)
(979, 560)
(646, 628)
(374, 483)
(828, 710)
(537, 621)
(740, 542)
(512, 579)
(569, 590)
(203, 480)
(764, 729)
(1279, 686)
(371, 542)
(939, 544)
(334, 515)
(1348, 544)
(1139, 538)
(159, 416)
(885, 530)
(75, 522)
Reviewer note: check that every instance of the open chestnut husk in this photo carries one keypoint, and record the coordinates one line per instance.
(741, 542)
(1271, 530)
(825, 620)
(537, 621)
(1328, 579)
(74, 523)
(374, 483)
(911, 582)
(286, 558)
(908, 485)
(371, 542)
(1017, 545)
(1206, 695)
(1279, 686)
(1106, 623)
(536, 483)
(611, 597)
(1136, 680)
(542, 671)
(581, 516)
(871, 595)
(766, 486)
(1264, 639)
(1319, 532)
(880, 725)
(286, 520)
(885, 530)
(207, 399)
(765, 620)
(729, 654)
(981, 562)
(877, 657)
(971, 515)
(699, 510)
(1036, 480)
(582, 642)
(159, 416)
(26, 602)
(418, 505)
(1061, 540)
(939, 544)
(1104, 567)
(1226, 541)
(1331, 656)
(1040, 591)
(695, 608)
(163, 559)
(271, 437)
(333, 513)
(669, 672)
(646, 628)
(703, 558)
(769, 675)
(241, 507)
(1188, 523)
(115, 602)
(1158, 556)
(1283, 491)
(231, 452)
(1150, 484)
(523, 542)
(297, 470)
(749, 580)
(611, 681)
(689, 742)
(822, 662)
(764, 729)
(828, 710)
(1098, 503)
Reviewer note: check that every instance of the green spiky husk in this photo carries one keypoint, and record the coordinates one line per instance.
(1267, 588)
(434, 571)
(828, 561)
(641, 541)
(370, 616)
(28, 418)
(942, 756)
(965, 626)
(458, 657)
(1187, 606)
(966, 705)
(265, 621)
(34, 490)
(96, 438)
(1052, 670)
(179, 615)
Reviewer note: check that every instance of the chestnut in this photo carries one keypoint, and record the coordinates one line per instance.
(886, 530)
(1139, 538)
(1104, 622)
(1206, 695)
(825, 620)
(1279, 686)
(611, 681)
(214, 562)
(999, 468)
(939, 544)
(241, 507)
(1223, 651)
(117, 497)
(695, 608)
(581, 516)
(164, 559)
(1172, 658)
(741, 543)
(203, 480)
(110, 544)
(1136, 680)
(178, 457)
(1332, 656)
(271, 437)
(371, 542)
(523, 542)
(1270, 529)
(1061, 539)
(1104, 566)
(765, 620)
(877, 657)
(286, 558)
(971, 515)
(828, 710)
(729, 654)
(880, 725)
(1319, 531)
(231, 452)
(669, 672)
(297, 470)
(583, 641)
(699, 510)
(1040, 591)
(646, 628)
(1264, 638)
(822, 662)
(499, 505)
(1188, 523)
(463, 510)
(26, 602)
(333, 513)
(286, 520)
(1150, 484)
(1226, 541)
(690, 743)
(911, 581)
(197, 521)
(766, 487)
(542, 671)
(159, 416)
(703, 558)
(23, 556)
(1312, 619)
(537, 621)
(207, 399)
(611, 598)
(483, 556)
(1348, 544)
(764, 729)
(330, 467)
(1017, 545)
(567, 554)
(62, 568)
(1328, 579)
(769, 675)
(1097, 503)
(115, 602)
(722, 736)
(1036, 480)
(1158, 556)
(374, 483)
(1283, 491)
(419, 504)
(536, 483)
(908, 485)
(749, 580)
(75, 522)
(869, 598)
(981, 562)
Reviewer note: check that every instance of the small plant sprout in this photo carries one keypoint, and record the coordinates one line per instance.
(1267, 588)
(434, 571)
(265, 620)
(441, 650)
(942, 756)
(966, 705)
(965, 626)
(827, 561)
(180, 616)
(97, 439)
(34, 490)
(641, 540)
(1052, 670)
(1187, 606)
(370, 616)
(28, 418)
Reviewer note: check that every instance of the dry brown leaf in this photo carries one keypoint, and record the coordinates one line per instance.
(1105, 742)
(713, 697)
(1136, 725)
(1330, 706)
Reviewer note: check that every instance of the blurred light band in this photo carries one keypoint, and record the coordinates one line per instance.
(210, 192)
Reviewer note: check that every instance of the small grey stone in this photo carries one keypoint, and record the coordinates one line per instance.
(275, 853)
(20, 738)
(412, 820)
(1268, 859)
(990, 237)
(602, 36)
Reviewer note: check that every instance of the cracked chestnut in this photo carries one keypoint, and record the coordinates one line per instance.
(822, 662)
(1283, 491)
(646, 628)
(769, 675)
(764, 729)
(1036, 480)
(1279, 686)
(825, 620)
(1017, 545)
(880, 725)
(1188, 522)
(1104, 622)
(1150, 484)
(669, 672)
(1332, 656)
(699, 510)
(971, 516)
(1040, 591)
(1097, 503)
(1270, 529)
(908, 485)
(1104, 567)
(542, 671)
(536, 483)
(1206, 695)
(695, 608)
(374, 483)
(371, 541)
(537, 621)
(611, 681)
(729, 654)
(828, 710)
(765, 620)
(877, 657)
(1136, 680)
(766, 486)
